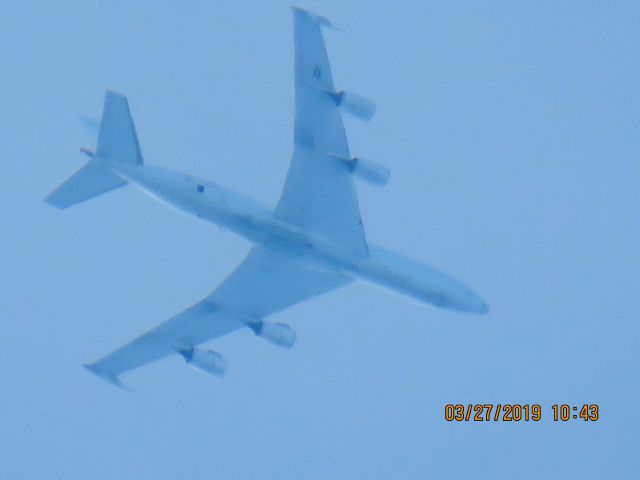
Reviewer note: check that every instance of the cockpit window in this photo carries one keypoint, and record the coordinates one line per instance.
(200, 188)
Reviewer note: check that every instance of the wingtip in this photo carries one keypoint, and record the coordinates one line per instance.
(106, 376)
(319, 19)
(53, 201)
(110, 93)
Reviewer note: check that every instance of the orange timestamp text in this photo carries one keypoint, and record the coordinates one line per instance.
(516, 412)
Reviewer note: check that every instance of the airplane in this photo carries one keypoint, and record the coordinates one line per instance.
(313, 242)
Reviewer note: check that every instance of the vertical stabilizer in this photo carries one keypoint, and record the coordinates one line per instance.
(117, 139)
(117, 143)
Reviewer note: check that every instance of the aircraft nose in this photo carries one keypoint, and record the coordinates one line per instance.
(474, 304)
(483, 307)
(466, 301)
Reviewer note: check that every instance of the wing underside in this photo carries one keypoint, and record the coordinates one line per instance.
(319, 194)
(263, 283)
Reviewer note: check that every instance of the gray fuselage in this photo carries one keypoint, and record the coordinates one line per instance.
(260, 226)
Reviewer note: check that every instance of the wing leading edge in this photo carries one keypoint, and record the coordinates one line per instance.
(263, 283)
(319, 194)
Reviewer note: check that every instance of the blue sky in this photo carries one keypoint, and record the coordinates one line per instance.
(511, 131)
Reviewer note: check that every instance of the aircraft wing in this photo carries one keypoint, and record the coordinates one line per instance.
(319, 193)
(263, 283)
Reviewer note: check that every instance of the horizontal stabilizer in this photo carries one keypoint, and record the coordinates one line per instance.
(94, 179)
(117, 143)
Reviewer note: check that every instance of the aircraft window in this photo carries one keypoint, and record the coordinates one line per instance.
(200, 188)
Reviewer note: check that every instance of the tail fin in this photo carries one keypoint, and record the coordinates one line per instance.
(117, 143)
(117, 139)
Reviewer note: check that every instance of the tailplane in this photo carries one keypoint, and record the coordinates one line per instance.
(117, 143)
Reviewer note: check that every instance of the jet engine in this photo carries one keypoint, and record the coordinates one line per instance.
(205, 360)
(355, 105)
(369, 171)
(279, 334)
(366, 170)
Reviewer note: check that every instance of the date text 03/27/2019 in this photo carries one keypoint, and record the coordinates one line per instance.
(515, 412)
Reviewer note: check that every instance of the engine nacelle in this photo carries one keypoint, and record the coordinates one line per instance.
(355, 105)
(205, 360)
(369, 171)
(279, 334)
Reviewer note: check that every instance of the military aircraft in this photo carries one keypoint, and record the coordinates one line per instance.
(313, 241)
